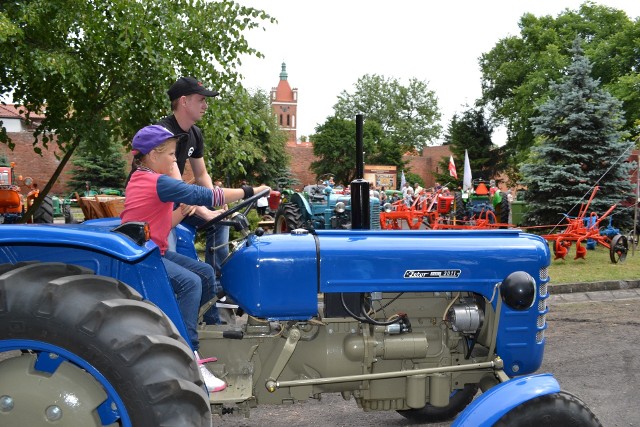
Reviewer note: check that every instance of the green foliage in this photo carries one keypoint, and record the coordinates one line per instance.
(251, 149)
(579, 145)
(408, 114)
(517, 72)
(82, 62)
(472, 132)
(104, 169)
(334, 145)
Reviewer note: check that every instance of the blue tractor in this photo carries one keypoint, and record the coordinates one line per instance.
(319, 207)
(91, 335)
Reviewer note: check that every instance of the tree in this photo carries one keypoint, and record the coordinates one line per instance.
(103, 169)
(334, 145)
(408, 114)
(579, 145)
(99, 70)
(472, 132)
(517, 72)
(253, 149)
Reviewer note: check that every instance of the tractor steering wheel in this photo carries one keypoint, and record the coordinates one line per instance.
(246, 204)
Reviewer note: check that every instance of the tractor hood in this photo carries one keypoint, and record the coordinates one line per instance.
(279, 276)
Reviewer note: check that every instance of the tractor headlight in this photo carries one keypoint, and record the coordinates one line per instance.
(340, 207)
(387, 207)
(519, 290)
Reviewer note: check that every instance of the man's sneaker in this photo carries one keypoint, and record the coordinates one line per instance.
(212, 382)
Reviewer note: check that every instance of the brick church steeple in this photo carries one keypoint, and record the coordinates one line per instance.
(284, 102)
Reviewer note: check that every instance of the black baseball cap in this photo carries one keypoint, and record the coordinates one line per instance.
(188, 86)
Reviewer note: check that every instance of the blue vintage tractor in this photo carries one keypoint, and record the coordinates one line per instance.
(91, 335)
(90, 332)
(319, 207)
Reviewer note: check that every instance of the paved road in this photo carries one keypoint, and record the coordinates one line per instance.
(592, 348)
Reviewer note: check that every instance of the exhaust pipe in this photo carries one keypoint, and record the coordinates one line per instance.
(360, 215)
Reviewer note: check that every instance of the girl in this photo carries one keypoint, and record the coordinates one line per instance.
(150, 197)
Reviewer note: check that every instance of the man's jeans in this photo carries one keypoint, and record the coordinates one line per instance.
(216, 251)
(193, 283)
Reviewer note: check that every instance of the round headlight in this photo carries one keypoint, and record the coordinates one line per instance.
(340, 207)
(519, 290)
(387, 207)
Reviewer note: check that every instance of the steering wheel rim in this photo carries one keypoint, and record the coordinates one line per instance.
(248, 203)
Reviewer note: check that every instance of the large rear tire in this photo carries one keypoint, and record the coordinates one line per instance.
(44, 214)
(460, 208)
(288, 217)
(552, 410)
(85, 350)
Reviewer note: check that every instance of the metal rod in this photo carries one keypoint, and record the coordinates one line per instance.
(496, 363)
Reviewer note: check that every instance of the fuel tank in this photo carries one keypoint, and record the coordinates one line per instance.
(279, 276)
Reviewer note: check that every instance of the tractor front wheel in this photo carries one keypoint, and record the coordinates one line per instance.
(552, 410)
(78, 349)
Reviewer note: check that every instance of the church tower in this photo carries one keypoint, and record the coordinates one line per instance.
(284, 102)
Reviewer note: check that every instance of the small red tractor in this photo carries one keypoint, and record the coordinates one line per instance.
(13, 204)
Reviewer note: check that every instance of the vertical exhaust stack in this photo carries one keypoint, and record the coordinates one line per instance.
(360, 215)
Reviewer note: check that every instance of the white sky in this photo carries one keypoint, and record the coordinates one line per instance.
(327, 45)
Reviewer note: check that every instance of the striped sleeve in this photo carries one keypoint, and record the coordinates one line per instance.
(177, 191)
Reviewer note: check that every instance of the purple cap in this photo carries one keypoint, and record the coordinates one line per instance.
(188, 86)
(149, 137)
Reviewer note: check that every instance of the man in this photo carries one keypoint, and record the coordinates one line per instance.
(188, 104)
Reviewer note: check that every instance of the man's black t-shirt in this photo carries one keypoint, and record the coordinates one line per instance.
(191, 146)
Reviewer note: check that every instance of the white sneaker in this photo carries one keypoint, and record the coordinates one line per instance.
(212, 382)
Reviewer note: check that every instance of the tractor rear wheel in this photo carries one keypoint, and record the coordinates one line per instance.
(78, 349)
(552, 410)
(44, 214)
(288, 217)
(460, 209)
(502, 210)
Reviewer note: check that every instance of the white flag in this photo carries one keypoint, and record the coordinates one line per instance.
(452, 168)
(403, 180)
(466, 181)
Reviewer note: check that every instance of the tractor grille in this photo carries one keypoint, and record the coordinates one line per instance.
(544, 273)
(375, 214)
(542, 305)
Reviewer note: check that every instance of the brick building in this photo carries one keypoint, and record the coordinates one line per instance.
(27, 162)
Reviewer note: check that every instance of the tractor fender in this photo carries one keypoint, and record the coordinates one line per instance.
(303, 204)
(490, 406)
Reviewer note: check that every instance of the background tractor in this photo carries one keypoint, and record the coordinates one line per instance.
(13, 204)
(319, 207)
(484, 202)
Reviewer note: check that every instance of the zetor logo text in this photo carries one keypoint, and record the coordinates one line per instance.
(432, 274)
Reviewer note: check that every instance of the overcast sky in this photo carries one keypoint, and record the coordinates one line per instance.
(327, 45)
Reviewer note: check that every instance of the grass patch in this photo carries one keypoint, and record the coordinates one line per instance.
(596, 267)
